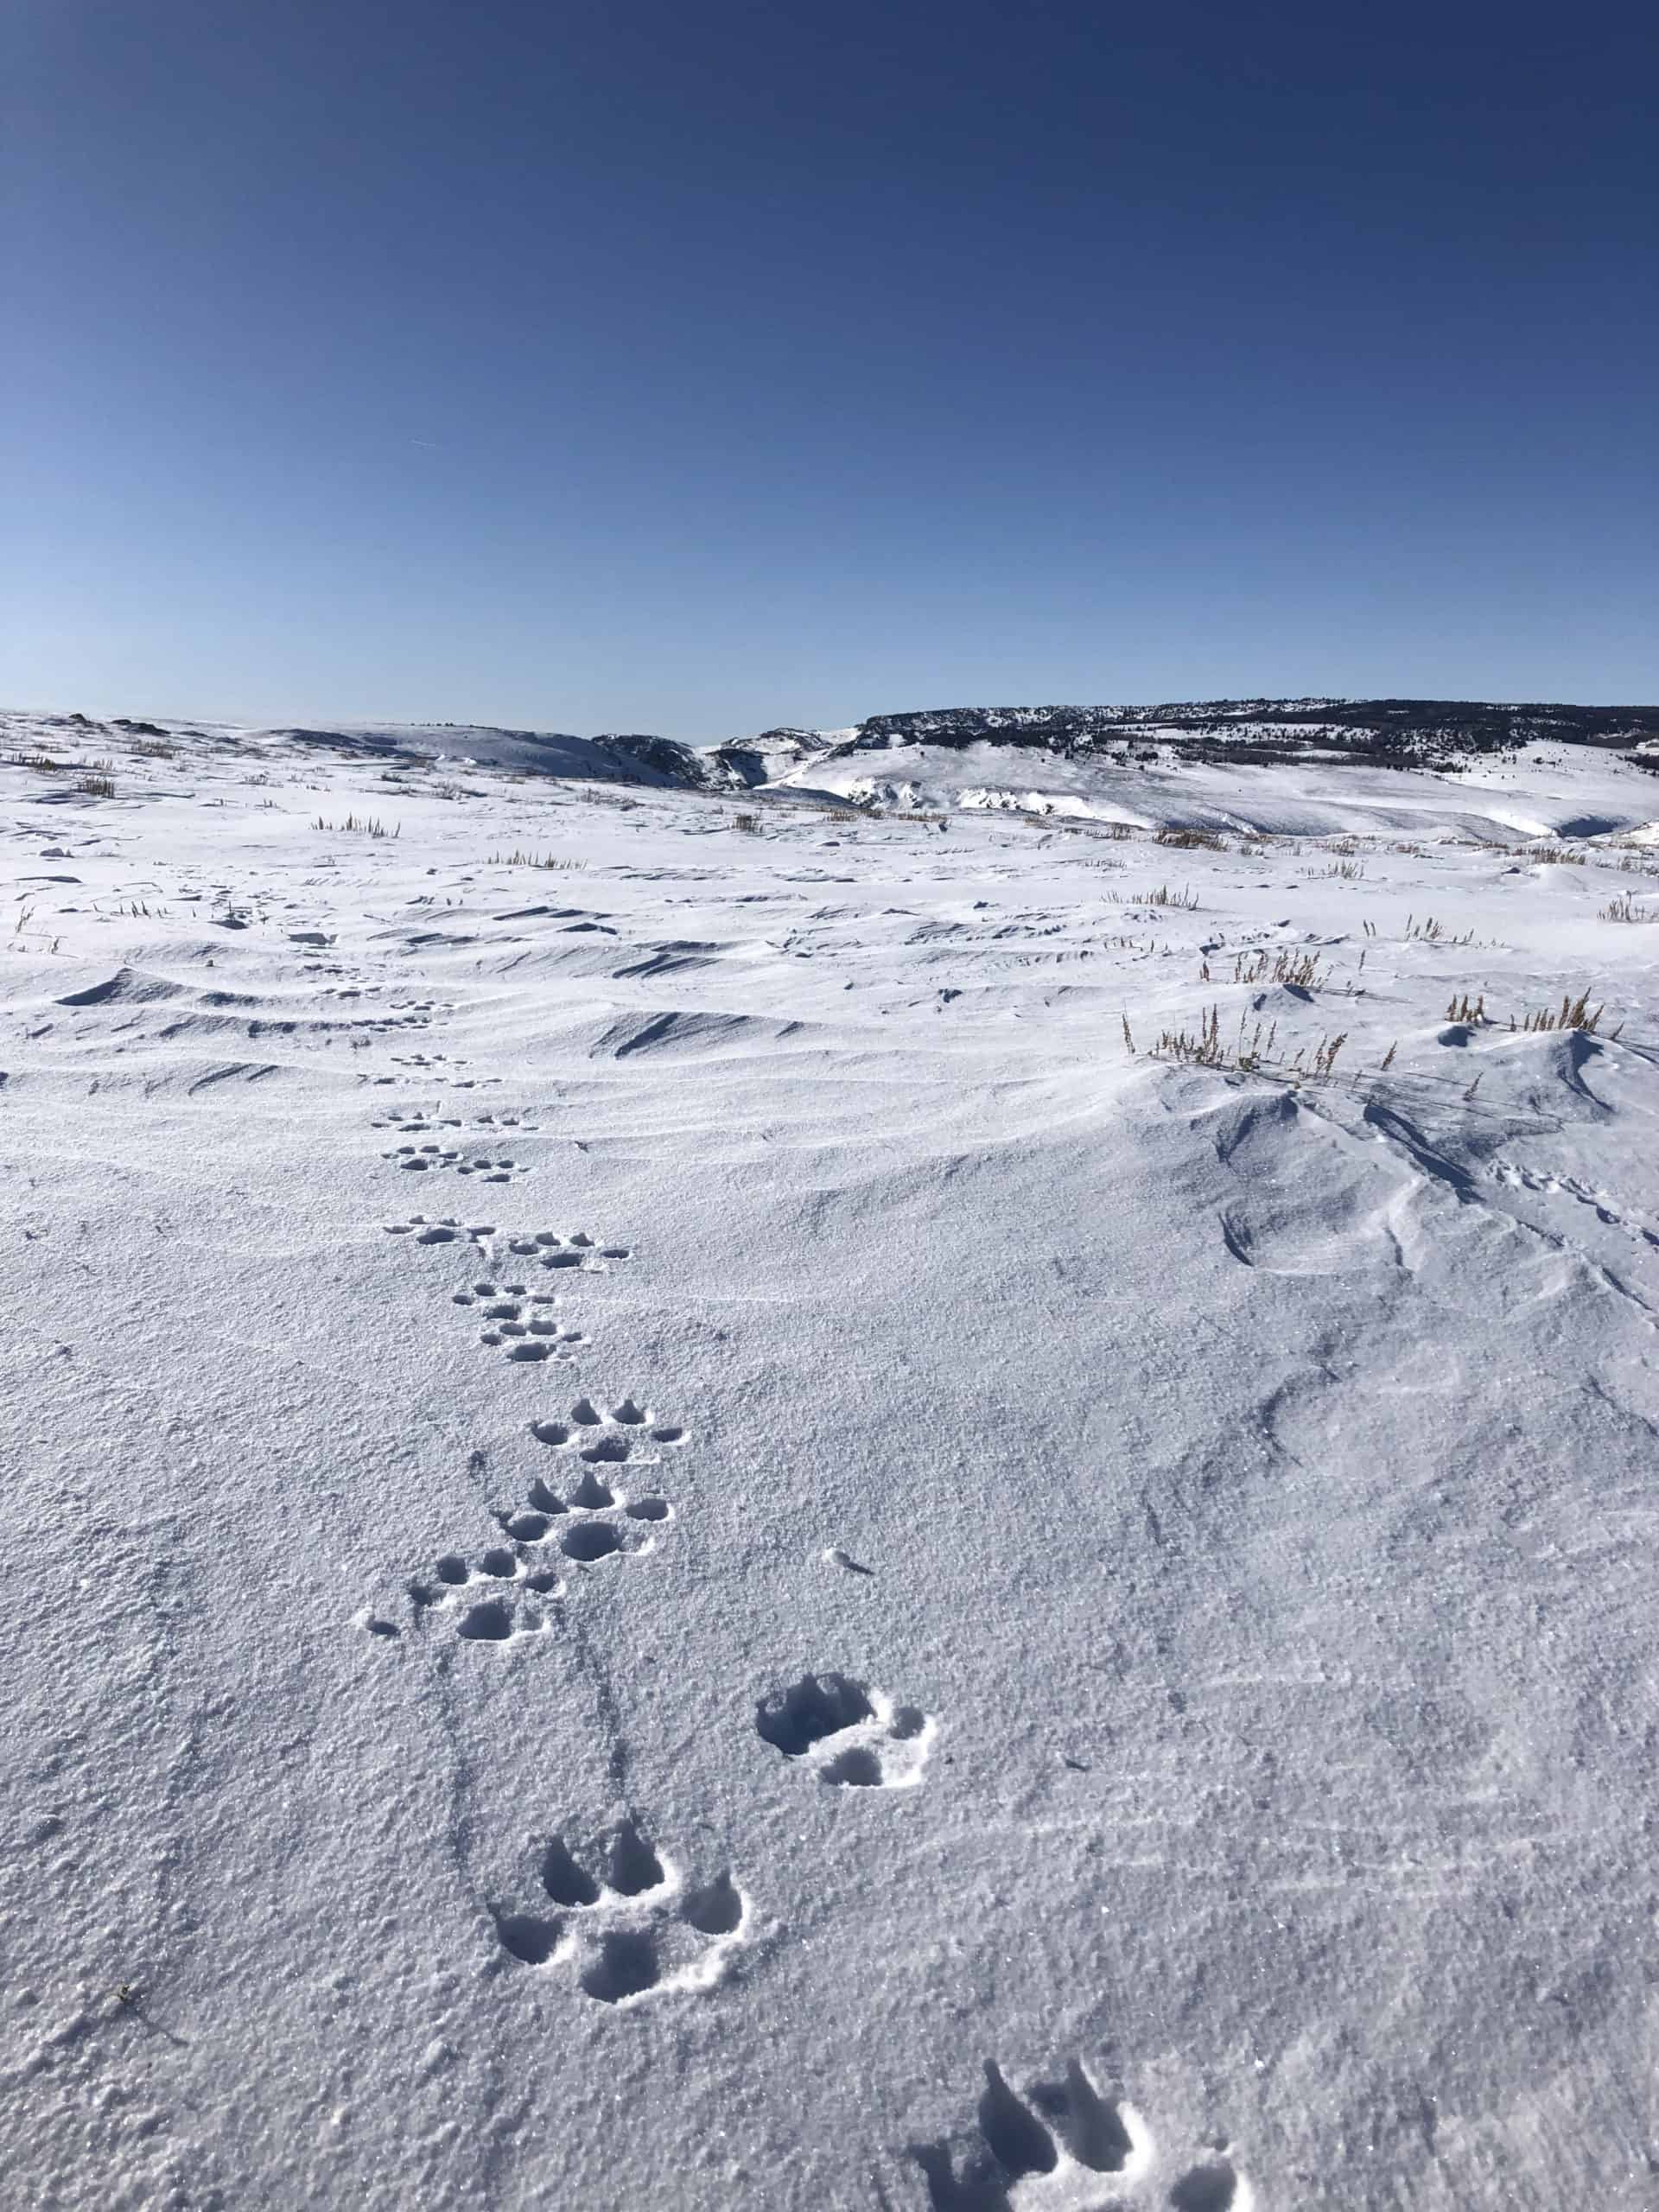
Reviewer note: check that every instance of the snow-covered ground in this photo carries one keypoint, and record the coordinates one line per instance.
(679, 1540)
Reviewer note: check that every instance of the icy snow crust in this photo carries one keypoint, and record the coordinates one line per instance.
(678, 1539)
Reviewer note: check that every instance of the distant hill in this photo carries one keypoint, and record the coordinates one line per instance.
(1380, 733)
(1431, 734)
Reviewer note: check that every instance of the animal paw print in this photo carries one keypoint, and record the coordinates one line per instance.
(517, 1591)
(597, 1433)
(520, 1318)
(637, 1929)
(851, 1735)
(422, 1157)
(412, 1122)
(493, 1171)
(432, 1067)
(551, 1250)
(447, 1229)
(1052, 2151)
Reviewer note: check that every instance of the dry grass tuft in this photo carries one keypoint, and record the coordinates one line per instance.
(1300, 970)
(361, 825)
(1571, 1014)
(1251, 1053)
(1428, 931)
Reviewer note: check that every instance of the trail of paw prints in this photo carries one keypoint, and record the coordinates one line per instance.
(420, 1158)
(1065, 2147)
(627, 1921)
(1611, 1211)
(847, 1734)
(503, 1592)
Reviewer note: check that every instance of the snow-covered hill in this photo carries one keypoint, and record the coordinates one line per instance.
(722, 1504)
(1100, 760)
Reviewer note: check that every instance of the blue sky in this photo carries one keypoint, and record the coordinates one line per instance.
(696, 368)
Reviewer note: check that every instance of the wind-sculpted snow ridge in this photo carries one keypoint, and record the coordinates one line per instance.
(945, 1503)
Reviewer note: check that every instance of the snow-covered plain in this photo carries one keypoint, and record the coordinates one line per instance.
(678, 1539)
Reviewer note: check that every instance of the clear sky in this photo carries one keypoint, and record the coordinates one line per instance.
(692, 365)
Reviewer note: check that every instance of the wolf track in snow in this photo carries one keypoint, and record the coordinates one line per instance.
(520, 1318)
(445, 1230)
(848, 1734)
(1064, 2146)
(416, 1123)
(608, 1432)
(633, 1929)
(422, 1159)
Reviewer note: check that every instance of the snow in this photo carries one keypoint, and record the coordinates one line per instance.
(679, 1538)
(1534, 793)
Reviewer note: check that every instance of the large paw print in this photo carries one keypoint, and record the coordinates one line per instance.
(1052, 2151)
(624, 1431)
(519, 1586)
(447, 1229)
(422, 1159)
(414, 1123)
(521, 1320)
(578, 1249)
(418, 1159)
(636, 1930)
(851, 1735)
